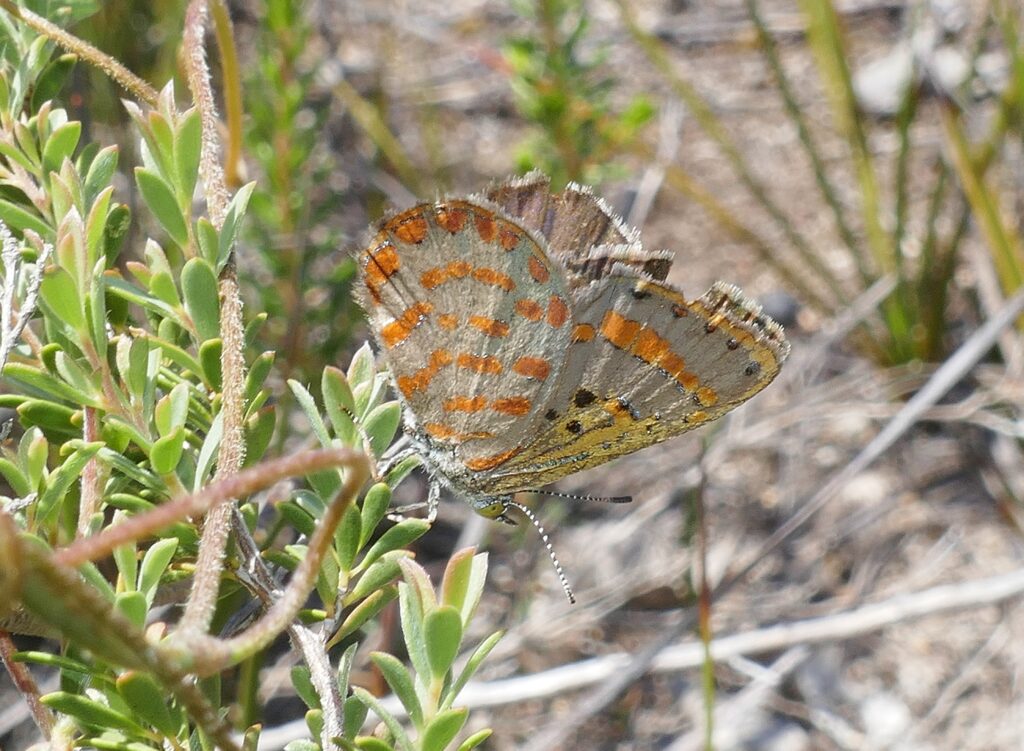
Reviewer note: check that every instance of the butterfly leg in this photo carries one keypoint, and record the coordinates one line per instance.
(431, 504)
(433, 501)
(389, 462)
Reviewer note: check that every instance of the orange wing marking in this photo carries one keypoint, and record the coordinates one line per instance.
(487, 364)
(399, 329)
(411, 229)
(419, 380)
(516, 406)
(529, 310)
(465, 404)
(484, 463)
(532, 367)
(489, 326)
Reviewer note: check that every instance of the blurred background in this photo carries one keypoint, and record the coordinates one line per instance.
(856, 166)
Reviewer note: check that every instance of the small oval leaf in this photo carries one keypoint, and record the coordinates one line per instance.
(442, 634)
(161, 201)
(202, 300)
(442, 729)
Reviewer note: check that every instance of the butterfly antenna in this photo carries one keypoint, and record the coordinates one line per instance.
(551, 551)
(575, 497)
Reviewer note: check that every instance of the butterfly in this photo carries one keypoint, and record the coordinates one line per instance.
(530, 336)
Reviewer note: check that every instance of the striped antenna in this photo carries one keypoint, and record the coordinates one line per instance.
(575, 497)
(551, 551)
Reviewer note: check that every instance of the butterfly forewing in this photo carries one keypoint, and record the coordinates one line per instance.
(472, 317)
(645, 364)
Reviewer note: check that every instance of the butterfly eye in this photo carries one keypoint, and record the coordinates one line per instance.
(491, 509)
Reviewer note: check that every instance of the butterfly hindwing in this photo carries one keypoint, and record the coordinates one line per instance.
(645, 364)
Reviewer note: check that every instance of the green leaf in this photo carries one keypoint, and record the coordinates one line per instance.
(61, 145)
(442, 631)
(375, 506)
(61, 662)
(401, 684)
(355, 714)
(20, 219)
(368, 395)
(154, 563)
(47, 384)
(202, 300)
(161, 201)
(344, 671)
(367, 608)
(315, 722)
(115, 229)
(411, 611)
(166, 452)
(369, 743)
(472, 665)
(187, 151)
(26, 138)
(163, 140)
(302, 744)
(384, 571)
(172, 410)
(100, 173)
(32, 453)
(259, 432)
(132, 362)
(308, 404)
(15, 477)
(52, 79)
(50, 416)
(347, 538)
(463, 582)
(381, 425)
(64, 204)
(442, 729)
(60, 294)
(133, 606)
(210, 358)
(88, 712)
(475, 740)
(340, 404)
(258, 372)
(16, 156)
(65, 13)
(234, 214)
(304, 686)
(251, 738)
(389, 720)
(126, 561)
(148, 701)
(298, 518)
(208, 451)
(162, 286)
(362, 368)
(399, 536)
(402, 470)
(58, 483)
(76, 376)
(133, 294)
(95, 226)
(208, 239)
(96, 310)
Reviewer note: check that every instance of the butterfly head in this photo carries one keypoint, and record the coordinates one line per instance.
(494, 508)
